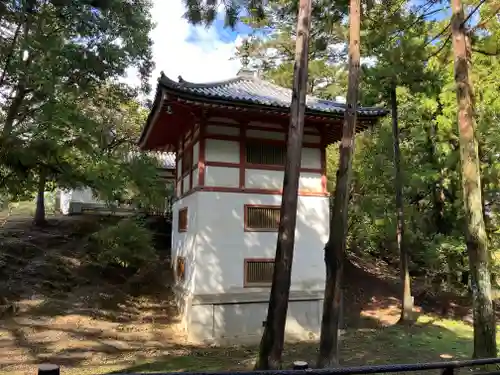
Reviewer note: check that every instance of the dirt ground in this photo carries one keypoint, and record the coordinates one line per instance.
(58, 309)
(56, 306)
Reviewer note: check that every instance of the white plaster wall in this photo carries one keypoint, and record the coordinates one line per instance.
(178, 191)
(196, 153)
(229, 151)
(222, 244)
(185, 186)
(311, 158)
(222, 151)
(273, 180)
(179, 167)
(310, 182)
(184, 243)
(64, 201)
(263, 179)
(196, 174)
(83, 195)
(222, 176)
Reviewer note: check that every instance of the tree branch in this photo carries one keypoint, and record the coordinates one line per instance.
(486, 53)
(440, 48)
(10, 54)
(483, 22)
(481, 2)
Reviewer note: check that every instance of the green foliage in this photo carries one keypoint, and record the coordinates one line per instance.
(205, 11)
(90, 143)
(128, 244)
(274, 54)
(409, 49)
(64, 111)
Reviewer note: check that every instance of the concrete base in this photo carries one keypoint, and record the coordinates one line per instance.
(238, 318)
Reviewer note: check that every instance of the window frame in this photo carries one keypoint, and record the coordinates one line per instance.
(263, 206)
(261, 143)
(183, 228)
(246, 262)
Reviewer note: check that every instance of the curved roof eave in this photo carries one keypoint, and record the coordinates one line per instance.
(220, 92)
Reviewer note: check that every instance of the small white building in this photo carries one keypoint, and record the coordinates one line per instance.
(229, 138)
(77, 201)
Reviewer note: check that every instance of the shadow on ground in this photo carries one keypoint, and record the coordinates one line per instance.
(133, 348)
(67, 313)
(423, 342)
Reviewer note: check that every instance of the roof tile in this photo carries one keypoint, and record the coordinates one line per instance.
(256, 91)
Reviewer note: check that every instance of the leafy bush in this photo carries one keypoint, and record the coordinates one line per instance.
(128, 244)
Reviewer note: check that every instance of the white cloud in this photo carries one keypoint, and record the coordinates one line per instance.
(206, 60)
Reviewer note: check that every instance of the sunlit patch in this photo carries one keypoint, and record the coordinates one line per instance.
(446, 356)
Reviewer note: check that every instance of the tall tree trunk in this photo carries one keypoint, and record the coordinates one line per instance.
(13, 110)
(271, 345)
(39, 218)
(475, 234)
(406, 299)
(336, 245)
(10, 54)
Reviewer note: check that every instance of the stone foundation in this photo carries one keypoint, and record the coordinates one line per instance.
(238, 318)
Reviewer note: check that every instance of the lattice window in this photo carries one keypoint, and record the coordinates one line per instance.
(258, 272)
(180, 268)
(265, 153)
(262, 218)
(183, 220)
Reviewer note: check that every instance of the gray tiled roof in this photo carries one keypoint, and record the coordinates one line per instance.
(165, 159)
(252, 90)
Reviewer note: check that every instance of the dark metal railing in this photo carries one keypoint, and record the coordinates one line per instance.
(302, 368)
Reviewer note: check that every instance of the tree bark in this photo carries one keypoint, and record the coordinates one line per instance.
(39, 219)
(406, 299)
(271, 345)
(13, 110)
(9, 55)
(336, 245)
(475, 233)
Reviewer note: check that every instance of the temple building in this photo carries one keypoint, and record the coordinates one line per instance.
(81, 200)
(230, 143)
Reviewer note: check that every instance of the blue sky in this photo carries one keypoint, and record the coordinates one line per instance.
(203, 54)
(197, 53)
(224, 34)
(445, 12)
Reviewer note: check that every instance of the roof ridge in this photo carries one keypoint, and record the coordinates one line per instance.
(183, 83)
(310, 96)
(256, 90)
